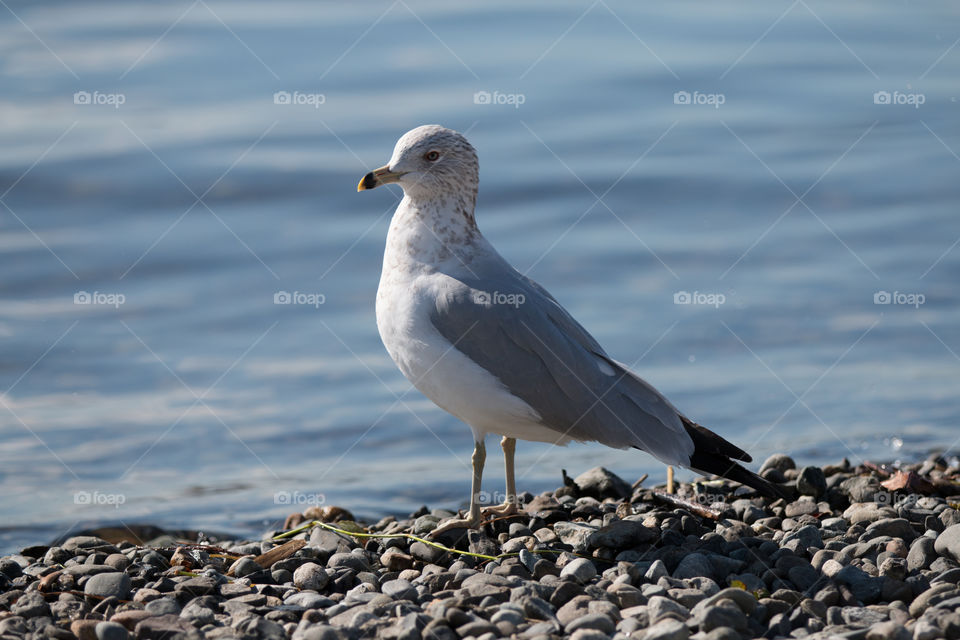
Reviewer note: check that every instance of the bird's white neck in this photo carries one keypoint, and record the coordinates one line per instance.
(429, 232)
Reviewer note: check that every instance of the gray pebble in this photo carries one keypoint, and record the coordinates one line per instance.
(311, 576)
(778, 461)
(669, 629)
(30, 605)
(114, 584)
(111, 631)
(399, 589)
(948, 542)
(580, 569)
(692, 566)
(163, 606)
(812, 482)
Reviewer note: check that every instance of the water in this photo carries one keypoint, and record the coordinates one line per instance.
(198, 402)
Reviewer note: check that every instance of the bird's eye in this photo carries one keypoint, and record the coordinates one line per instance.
(432, 156)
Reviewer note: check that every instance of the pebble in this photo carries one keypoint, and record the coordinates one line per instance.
(812, 482)
(104, 585)
(833, 562)
(693, 565)
(601, 483)
(948, 542)
(111, 631)
(399, 589)
(669, 629)
(580, 569)
(310, 576)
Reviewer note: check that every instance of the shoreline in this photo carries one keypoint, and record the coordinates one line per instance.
(858, 552)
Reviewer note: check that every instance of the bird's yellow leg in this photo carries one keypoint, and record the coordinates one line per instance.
(509, 506)
(473, 518)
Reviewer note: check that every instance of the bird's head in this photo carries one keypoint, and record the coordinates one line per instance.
(429, 161)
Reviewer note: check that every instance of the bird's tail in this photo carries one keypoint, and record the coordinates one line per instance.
(713, 454)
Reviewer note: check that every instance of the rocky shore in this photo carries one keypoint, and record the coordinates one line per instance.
(867, 551)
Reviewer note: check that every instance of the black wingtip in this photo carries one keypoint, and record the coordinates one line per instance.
(713, 454)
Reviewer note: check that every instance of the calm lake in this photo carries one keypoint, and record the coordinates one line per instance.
(756, 204)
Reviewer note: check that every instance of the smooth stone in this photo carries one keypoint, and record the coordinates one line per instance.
(745, 600)
(694, 565)
(162, 627)
(31, 605)
(656, 571)
(922, 553)
(588, 634)
(937, 592)
(84, 629)
(595, 621)
(867, 512)
(802, 507)
(245, 567)
(602, 483)
(811, 481)
(104, 585)
(399, 589)
(198, 586)
(861, 616)
(860, 488)
(722, 616)
(660, 607)
(779, 461)
(576, 534)
(580, 569)
(359, 563)
(88, 544)
(111, 631)
(130, 617)
(308, 600)
(668, 629)
(396, 560)
(808, 536)
(311, 576)
(889, 630)
(163, 606)
(865, 587)
(893, 527)
(621, 534)
(948, 542)
(420, 551)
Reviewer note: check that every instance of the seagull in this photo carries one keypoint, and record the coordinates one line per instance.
(495, 349)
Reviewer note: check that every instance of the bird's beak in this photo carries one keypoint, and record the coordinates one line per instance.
(377, 177)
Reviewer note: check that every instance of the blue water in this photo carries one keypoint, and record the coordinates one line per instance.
(198, 402)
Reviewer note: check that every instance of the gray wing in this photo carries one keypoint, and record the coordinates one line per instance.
(513, 328)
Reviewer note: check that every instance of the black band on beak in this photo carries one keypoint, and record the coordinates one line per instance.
(369, 181)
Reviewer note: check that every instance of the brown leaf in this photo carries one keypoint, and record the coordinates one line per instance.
(908, 481)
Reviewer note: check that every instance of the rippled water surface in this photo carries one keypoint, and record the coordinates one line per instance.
(183, 198)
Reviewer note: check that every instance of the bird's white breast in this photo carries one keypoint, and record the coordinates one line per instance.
(409, 286)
